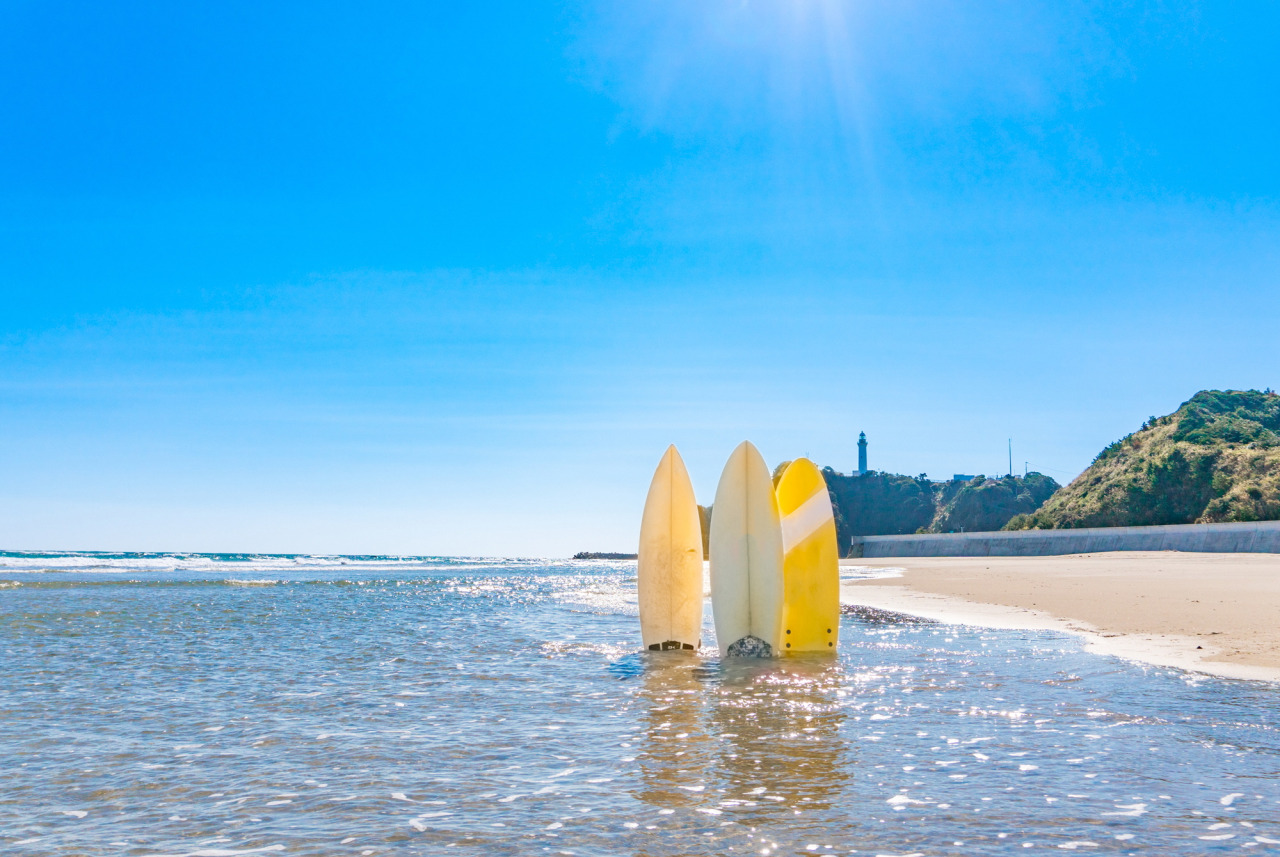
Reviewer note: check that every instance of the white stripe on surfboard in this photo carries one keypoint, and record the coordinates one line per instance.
(808, 517)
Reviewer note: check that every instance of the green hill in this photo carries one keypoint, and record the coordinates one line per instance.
(982, 505)
(877, 504)
(1216, 458)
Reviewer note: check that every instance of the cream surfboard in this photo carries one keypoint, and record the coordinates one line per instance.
(670, 560)
(746, 558)
(811, 562)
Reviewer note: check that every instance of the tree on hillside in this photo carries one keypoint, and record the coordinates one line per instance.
(1216, 458)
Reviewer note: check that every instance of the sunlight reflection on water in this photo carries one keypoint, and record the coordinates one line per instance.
(380, 706)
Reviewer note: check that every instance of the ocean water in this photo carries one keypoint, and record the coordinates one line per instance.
(225, 705)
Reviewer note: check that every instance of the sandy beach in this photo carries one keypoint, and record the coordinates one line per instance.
(1211, 613)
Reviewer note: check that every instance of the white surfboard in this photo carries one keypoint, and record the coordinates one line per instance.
(670, 560)
(747, 589)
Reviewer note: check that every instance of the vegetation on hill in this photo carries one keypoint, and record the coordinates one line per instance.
(704, 518)
(877, 504)
(1216, 458)
(988, 504)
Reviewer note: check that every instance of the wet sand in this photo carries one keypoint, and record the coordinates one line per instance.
(1208, 612)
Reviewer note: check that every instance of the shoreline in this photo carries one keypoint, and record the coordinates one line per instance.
(1206, 613)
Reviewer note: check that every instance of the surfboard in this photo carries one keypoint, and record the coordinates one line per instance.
(746, 558)
(670, 560)
(811, 561)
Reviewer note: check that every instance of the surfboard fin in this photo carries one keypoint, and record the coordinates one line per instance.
(670, 645)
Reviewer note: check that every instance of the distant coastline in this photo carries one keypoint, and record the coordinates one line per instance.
(1215, 460)
(602, 555)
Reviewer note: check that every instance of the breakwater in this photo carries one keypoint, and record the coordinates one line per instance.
(1251, 537)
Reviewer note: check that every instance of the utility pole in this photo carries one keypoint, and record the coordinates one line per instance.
(1010, 456)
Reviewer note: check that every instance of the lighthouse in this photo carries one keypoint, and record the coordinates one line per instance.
(862, 452)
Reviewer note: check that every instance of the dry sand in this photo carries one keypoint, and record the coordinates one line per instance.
(1208, 612)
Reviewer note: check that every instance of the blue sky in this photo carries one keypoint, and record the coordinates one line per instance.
(448, 278)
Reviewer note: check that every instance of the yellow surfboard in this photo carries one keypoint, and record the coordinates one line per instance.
(810, 562)
(670, 560)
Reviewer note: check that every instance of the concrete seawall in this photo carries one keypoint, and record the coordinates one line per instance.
(1255, 537)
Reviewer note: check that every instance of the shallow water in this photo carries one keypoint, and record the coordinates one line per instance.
(197, 705)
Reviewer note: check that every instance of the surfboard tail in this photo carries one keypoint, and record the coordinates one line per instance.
(746, 557)
(811, 562)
